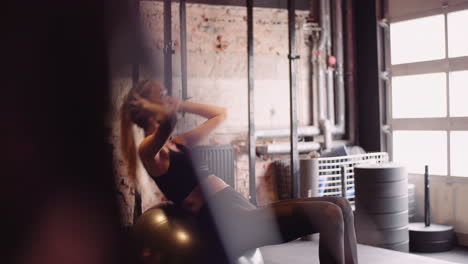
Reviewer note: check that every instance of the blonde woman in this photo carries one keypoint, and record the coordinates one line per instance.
(190, 185)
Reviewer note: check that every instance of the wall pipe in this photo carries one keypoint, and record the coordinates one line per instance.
(281, 148)
(328, 69)
(168, 46)
(350, 72)
(319, 53)
(325, 75)
(330, 94)
(315, 83)
(338, 125)
(303, 147)
(307, 131)
(338, 43)
(183, 47)
(295, 179)
(323, 22)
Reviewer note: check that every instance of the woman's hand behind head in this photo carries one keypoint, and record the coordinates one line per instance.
(136, 101)
(166, 110)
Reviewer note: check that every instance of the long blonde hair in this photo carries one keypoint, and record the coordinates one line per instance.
(129, 115)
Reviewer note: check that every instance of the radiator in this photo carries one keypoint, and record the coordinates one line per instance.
(220, 160)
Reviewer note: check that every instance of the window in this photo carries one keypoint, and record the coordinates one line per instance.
(458, 33)
(459, 93)
(422, 95)
(429, 92)
(419, 39)
(415, 149)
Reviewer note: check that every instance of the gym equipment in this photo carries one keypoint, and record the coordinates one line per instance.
(309, 183)
(167, 234)
(427, 237)
(382, 205)
(328, 172)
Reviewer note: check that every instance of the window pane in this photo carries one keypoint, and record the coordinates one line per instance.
(459, 153)
(419, 39)
(458, 33)
(415, 149)
(422, 95)
(459, 93)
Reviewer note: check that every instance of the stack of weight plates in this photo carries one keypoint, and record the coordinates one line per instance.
(382, 205)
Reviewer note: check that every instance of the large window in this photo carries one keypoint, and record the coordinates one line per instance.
(429, 91)
(419, 39)
(457, 34)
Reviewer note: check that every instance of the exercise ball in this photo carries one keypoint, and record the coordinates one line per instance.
(167, 234)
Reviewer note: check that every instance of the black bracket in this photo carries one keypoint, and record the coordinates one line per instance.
(296, 57)
(168, 47)
(384, 23)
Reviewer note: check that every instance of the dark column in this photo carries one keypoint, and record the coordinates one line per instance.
(367, 75)
(251, 83)
(293, 98)
(168, 46)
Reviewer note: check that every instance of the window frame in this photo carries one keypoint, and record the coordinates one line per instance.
(445, 65)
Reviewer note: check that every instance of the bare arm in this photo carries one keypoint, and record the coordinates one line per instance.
(205, 110)
(215, 115)
(150, 146)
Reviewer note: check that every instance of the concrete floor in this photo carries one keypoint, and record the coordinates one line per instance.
(456, 255)
(306, 252)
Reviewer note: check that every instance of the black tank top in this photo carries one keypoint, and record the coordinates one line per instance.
(183, 175)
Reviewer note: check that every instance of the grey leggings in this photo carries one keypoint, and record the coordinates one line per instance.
(241, 226)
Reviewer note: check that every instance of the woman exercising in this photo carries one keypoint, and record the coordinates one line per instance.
(216, 205)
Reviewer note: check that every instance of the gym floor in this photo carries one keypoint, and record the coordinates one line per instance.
(302, 252)
(456, 255)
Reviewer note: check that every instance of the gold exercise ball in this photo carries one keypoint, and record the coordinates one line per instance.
(167, 234)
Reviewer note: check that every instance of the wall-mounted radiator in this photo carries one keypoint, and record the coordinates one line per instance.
(220, 160)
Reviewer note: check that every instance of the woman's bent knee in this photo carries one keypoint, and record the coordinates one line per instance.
(334, 217)
(344, 204)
